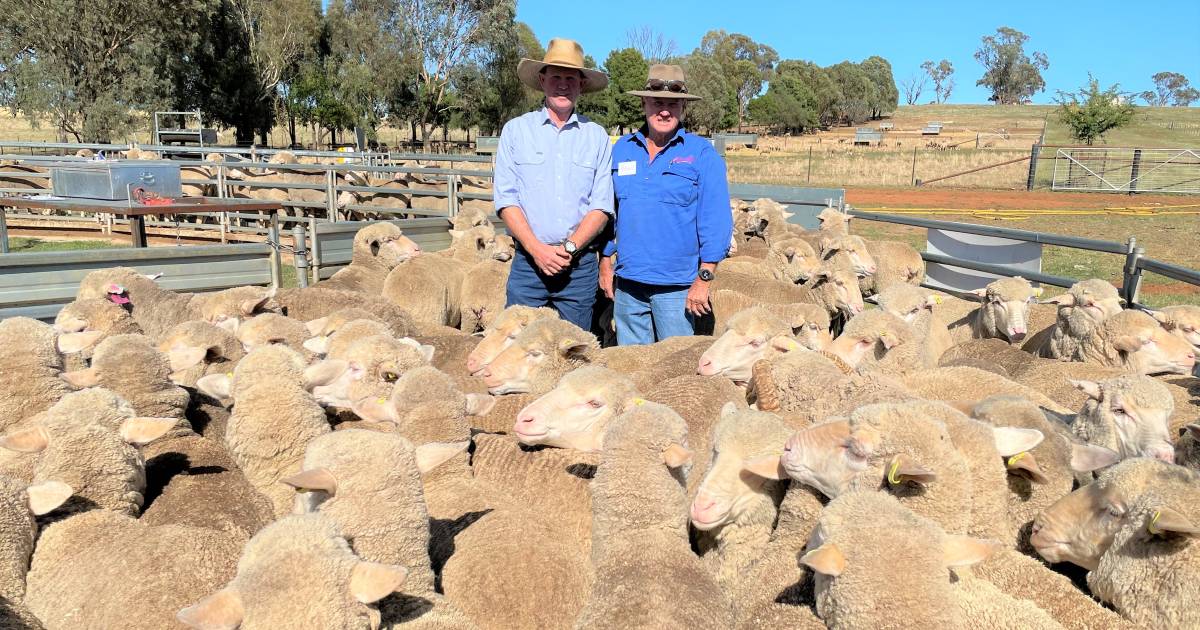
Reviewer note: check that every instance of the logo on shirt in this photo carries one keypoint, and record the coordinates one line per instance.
(687, 159)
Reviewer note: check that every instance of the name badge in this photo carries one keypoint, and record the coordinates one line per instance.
(627, 168)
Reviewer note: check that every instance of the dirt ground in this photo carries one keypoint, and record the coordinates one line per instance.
(975, 199)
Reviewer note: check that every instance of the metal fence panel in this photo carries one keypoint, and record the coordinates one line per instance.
(804, 203)
(39, 284)
(1111, 169)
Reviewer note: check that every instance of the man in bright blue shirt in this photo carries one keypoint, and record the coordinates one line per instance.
(553, 187)
(673, 221)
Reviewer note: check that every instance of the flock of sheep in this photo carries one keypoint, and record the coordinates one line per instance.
(393, 448)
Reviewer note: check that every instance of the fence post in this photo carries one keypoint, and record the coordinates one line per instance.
(1132, 281)
(316, 251)
(1135, 171)
(914, 168)
(3, 232)
(1033, 160)
(300, 255)
(809, 180)
(276, 259)
(976, 141)
(331, 195)
(452, 194)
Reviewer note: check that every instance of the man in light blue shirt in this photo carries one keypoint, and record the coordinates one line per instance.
(553, 187)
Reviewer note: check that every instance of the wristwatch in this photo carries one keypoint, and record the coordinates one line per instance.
(570, 247)
(705, 275)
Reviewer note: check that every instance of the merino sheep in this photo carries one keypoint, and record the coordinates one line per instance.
(748, 336)
(20, 503)
(1183, 321)
(850, 251)
(274, 418)
(357, 478)
(29, 382)
(640, 549)
(323, 329)
(272, 328)
(576, 413)
(431, 287)
(155, 309)
(788, 260)
(300, 560)
(1135, 341)
(367, 369)
(855, 556)
(809, 322)
(84, 323)
(483, 294)
(376, 250)
(810, 386)
(898, 263)
(834, 288)
(541, 354)
(1134, 530)
(503, 331)
(313, 303)
(229, 307)
(1129, 415)
(915, 305)
(133, 368)
(88, 441)
(735, 506)
(196, 349)
(1080, 310)
(92, 570)
(877, 341)
(1004, 313)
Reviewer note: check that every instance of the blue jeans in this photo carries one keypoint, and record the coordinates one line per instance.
(645, 313)
(572, 292)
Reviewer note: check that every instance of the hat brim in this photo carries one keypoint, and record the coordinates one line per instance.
(683, 96)
(528, 69)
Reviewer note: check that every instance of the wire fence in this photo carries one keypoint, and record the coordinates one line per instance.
(1126, 170)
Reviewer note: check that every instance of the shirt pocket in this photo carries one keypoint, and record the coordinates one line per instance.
(583, 175)
(680, 184)
(529, 164)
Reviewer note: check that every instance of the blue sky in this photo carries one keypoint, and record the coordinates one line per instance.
(1118, 42)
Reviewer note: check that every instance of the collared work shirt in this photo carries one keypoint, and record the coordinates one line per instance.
(556, 176)
(672, 213)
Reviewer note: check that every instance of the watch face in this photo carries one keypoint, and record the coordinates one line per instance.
(569, 246)
(705, 275)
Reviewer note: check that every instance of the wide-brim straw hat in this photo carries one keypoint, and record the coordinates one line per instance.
(670, 76)
(564, 53)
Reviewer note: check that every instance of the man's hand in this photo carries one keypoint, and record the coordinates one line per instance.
(551, 259)
(697, 298)
(606, 276)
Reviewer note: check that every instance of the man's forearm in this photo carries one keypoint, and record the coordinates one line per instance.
(589, 227)
(518, 227)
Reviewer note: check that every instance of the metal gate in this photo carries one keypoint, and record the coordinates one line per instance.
(1127, 170)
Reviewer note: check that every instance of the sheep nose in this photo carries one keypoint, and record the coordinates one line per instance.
(1164, 453)
(472, 365)
(705, 366)
(871, 269)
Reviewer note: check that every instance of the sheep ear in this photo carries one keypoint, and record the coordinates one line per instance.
(372, 581)
(31, 440)
(1089, 457)
(1025, 465)
(964, 551)
(769, 467)
(229, 325)
(1091, 388)
(728, 409)
(1168, 521)
(480, 404)
(1065, 299)
(434, 454)
(860, 445)
(828, 245)
(675, 456)
(141, 430)
(1194, 429)
(70, 343)
(316, 326)
(376, 410)
(45, 497)
(888, 340)
(826, 560)
(251, 306)
(1128, 343)
(784, 343)
(789, 253)
(871, 299)
(313, 479)
(185, 357)
(81, 379)
(455, 235)
(216, 386)
(426, 351)
(977, 294)
(317, 345)
(576, 347)
(904, 468)
(1013, 440)
(323, 372)
(220, 611)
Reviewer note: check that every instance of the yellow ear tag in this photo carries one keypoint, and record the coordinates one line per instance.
(792, 345)
(1153, 520)
(639, 401)
(381, 401)
(1012, 461)
(229, 374)
(937, 299)
(891, 476)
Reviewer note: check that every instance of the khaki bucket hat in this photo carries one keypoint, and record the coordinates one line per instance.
(564, 53)
(666, 81)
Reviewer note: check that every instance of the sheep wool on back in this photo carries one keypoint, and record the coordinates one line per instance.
(29, 382)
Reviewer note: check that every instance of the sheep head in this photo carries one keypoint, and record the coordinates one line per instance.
(501, 334)
(383, 245)
(853, 249)
(539, 356)
(1005, 309)
(870, 335)
(1133, 412)
(1135, 341)
(750, 335)
(576, 413)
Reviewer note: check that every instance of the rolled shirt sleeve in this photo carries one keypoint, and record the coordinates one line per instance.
(504, 183)
(602, 184)
(714, 221)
